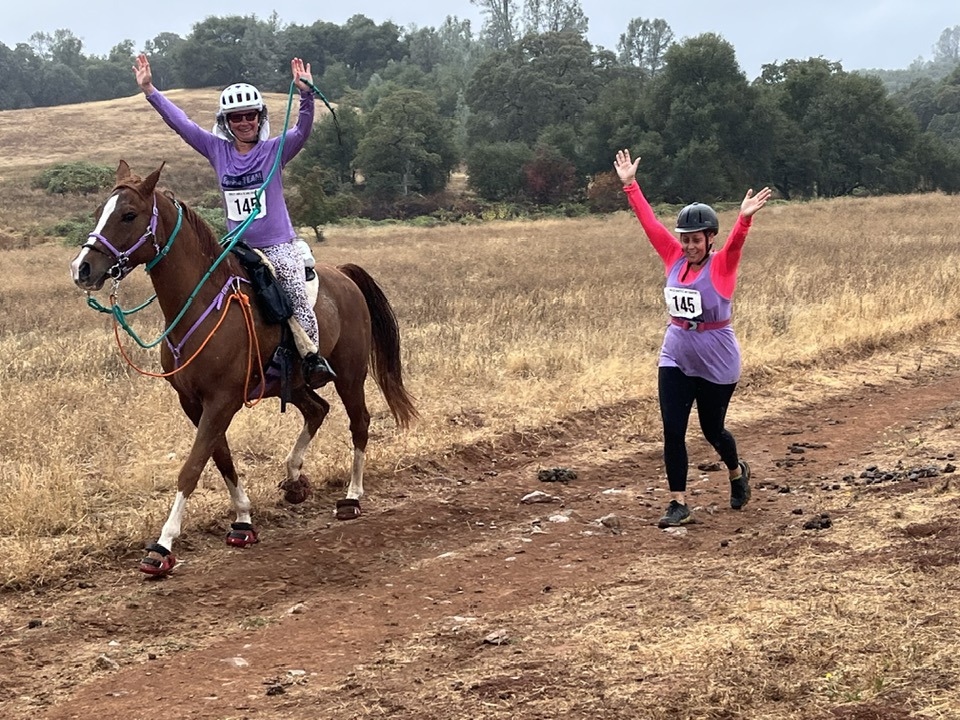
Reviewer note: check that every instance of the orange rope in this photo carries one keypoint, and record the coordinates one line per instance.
(253, 347)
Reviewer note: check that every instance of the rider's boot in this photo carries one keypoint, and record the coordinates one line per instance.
(317, 371)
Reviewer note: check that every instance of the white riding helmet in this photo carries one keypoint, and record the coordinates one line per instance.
(240, 96)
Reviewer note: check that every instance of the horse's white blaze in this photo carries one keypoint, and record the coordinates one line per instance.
(241, 503)
(108, 209)
(171, 528)
(355, 491)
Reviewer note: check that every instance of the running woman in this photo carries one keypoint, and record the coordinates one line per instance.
(700, 356)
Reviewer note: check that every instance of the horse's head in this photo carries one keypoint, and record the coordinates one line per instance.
(125, 235)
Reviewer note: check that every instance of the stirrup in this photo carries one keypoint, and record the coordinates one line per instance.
(317, 371)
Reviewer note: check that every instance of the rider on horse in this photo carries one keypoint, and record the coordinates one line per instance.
(242, 153)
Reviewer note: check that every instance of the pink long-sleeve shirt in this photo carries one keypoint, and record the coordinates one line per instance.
(724, 263)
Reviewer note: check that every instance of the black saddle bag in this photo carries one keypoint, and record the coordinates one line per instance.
(274, 303)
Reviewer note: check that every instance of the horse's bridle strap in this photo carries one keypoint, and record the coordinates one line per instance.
(215, 304)
(121, 266)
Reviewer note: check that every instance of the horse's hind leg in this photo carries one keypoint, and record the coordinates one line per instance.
(354, 401)
(296, 485)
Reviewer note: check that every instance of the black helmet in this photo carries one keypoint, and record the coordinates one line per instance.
(696, 217)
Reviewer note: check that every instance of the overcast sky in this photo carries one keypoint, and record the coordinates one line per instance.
(888, 34)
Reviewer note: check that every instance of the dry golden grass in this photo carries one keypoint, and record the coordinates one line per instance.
(506, 326)
(103, 133)
(509, 326)
(811, 628)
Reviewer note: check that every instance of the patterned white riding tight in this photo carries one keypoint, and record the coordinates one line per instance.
(288, 263)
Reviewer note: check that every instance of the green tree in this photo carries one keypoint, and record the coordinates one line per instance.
(368, 47)
(407, 146)
(540, 16)
(163, 50)
(108, 79)
(213, 54)
(312, 205)
(335, 81)
(495, 170)
(61, 48)
(500, 26)
(850, 134)
(333, 147)
(57, 84)
(644, 44)
(15, 88)
(548, 79)
(263, 63)
(705, 113)
(614, 121)
(946, 121)
(920, 99)
(948, 45)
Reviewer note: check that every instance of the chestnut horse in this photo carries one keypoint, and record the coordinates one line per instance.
(216, 350)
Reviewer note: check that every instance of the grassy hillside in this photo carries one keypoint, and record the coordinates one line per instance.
(101, 133)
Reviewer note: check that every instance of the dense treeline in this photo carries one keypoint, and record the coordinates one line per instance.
(535, 112)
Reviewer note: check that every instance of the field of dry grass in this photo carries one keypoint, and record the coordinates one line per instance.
(506, 328)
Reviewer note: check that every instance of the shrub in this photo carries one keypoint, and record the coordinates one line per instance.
(549, 178)
(72, 231)
(605, 193)
(495, 171)
(76, 177)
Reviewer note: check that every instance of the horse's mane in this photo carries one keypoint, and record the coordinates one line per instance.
(208, 242)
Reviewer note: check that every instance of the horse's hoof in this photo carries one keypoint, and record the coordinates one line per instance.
(296, 491)
(241, 535)
(348, 509)
(157, 566)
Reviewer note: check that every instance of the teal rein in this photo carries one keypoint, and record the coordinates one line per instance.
(228, 241)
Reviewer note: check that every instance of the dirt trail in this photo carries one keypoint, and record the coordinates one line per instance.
(227, 635)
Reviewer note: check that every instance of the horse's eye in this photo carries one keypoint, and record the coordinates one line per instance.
(129, 217)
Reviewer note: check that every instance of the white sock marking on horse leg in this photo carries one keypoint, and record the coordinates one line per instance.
(297, 453)
(241, 503)
(171, 528)
(355, 491)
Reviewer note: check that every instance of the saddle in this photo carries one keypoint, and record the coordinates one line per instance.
(276, 309)
(273, 301)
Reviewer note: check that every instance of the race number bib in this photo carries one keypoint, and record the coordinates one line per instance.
(241, 204)
(683, 302)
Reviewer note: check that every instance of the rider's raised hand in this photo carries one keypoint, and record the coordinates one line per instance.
(143, 74)
(300, 70)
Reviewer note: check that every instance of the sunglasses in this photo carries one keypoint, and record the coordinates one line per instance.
(243, 116)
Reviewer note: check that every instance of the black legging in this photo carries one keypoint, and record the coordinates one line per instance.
(677, 394)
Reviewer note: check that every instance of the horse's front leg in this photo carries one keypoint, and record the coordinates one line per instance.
(210, 439)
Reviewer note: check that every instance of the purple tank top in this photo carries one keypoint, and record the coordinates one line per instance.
(713, 355)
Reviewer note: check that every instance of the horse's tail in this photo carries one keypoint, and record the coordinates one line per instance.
(385, 352)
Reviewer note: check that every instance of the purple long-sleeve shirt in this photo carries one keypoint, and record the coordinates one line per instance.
(241, 175)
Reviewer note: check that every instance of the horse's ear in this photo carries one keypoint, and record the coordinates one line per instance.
(123, 171)
(151, 181)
